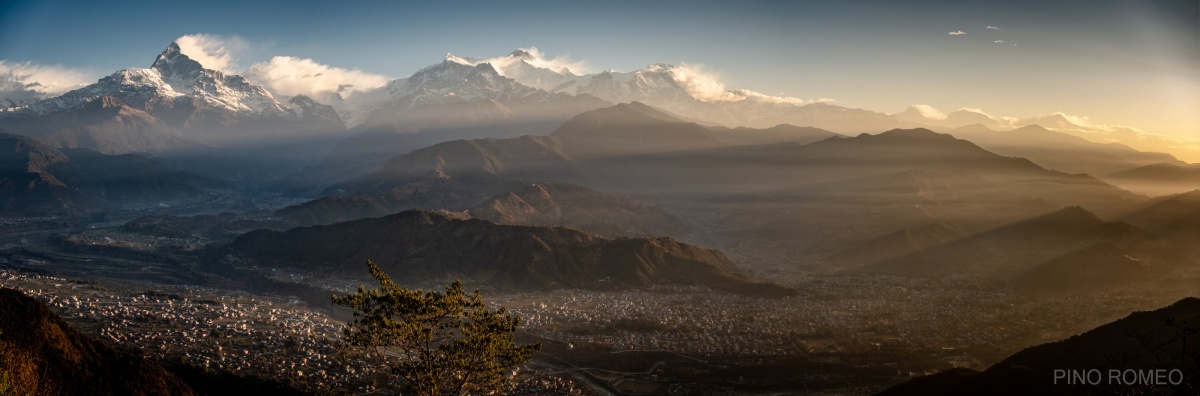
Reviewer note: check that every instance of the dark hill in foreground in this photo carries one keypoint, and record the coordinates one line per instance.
(419, 246)
(1165, 338)
(42, 354)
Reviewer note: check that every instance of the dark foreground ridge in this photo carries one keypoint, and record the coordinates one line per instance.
(418, 246)
(42, 354)
(1165, 339)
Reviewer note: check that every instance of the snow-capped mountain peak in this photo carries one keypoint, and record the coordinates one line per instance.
(522, 55)
(172, 63)
(214, 87)
(454, 79)
(451, 58)
(173, 78)
(207, 105)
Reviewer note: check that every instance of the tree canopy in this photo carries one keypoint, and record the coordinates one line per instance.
(436, 343)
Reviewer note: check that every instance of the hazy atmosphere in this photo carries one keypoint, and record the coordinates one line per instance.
(646, 198)
(1110, 63)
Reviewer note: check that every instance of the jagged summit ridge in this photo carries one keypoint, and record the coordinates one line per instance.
(172, 62)
(173, 79)
(179, 96)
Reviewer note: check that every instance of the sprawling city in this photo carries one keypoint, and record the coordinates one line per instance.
(673, 198)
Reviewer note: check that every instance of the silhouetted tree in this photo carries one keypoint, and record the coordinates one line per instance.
(437, 343)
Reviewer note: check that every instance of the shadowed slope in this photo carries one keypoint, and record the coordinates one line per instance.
(40, 353)
(1140, 341)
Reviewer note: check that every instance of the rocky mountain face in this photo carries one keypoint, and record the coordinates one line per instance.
(418, 246)
(173, 104)
(106, 124)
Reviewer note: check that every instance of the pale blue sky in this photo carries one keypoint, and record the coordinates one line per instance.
(1130, 63)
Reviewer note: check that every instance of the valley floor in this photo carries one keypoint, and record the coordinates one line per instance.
(842, 335)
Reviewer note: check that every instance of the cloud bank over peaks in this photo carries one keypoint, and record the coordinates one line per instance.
(25, 81)
(707, 86)
(560, 64)
(697, 81)
(510, 65)
(213, 51)
(1001, 120)
(289, 76)
(929, 112)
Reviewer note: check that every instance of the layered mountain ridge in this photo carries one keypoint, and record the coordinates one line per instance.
(37, 179)
(419, 245)
(519, 88)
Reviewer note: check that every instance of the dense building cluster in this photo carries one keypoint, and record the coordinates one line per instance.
(539, 384)
(939, 322)
(212, 329)
(954, 321)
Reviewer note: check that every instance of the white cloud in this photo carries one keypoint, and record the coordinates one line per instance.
(707, 86)
(990, 27)
(928, 111)
(701, 83)
(957, 33)
(28, 81)
(1086, 122)
(999, 41)
(290, 76)
(213, 51)
(1001, 120)
(561, 63)
(748, 94)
